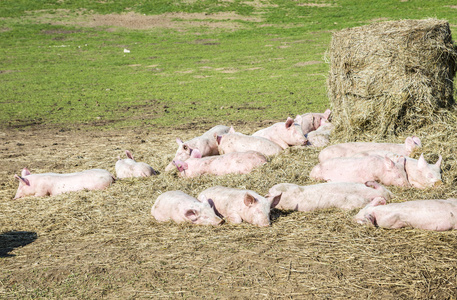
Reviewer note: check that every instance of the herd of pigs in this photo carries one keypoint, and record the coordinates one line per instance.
(355, 173)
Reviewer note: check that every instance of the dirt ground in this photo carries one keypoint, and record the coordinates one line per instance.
(105, 244)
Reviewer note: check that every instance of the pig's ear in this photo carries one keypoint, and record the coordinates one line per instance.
(416, 141)
(412, 142)
(23, 180)
(203, 199)
(378, 201)
(388, 162)
(372, 184)
(192, 215)
(298, 119)
(129, 154)
(438, 162)
(218, 139)
(25, 172)
(402, 160)
(327, 114)
(232, 130)
(195, 153)
(249, 200)
(422, 163)
(179, 141)
(316, 122)
(370, 218)
(289, 122)
(275, 200)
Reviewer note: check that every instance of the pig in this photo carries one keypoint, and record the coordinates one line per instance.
(238, 142)
(343, 195)
(238, 205)
(362, 169)
(436, 214)
(285, 134)
(321, 136)
(130, 168)
(51, 184)
(235, 162)
(311, 121)
(180, 207)
(420, 174)
(350, 149)
(206, 144)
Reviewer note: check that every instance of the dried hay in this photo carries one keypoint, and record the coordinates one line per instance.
(391, 78)
(96, 244)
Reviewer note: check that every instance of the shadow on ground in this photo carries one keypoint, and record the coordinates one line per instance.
(14, 239)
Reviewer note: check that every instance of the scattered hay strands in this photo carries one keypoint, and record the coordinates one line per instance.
(92, 244)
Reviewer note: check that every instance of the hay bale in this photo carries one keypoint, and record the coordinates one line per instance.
(392, 77)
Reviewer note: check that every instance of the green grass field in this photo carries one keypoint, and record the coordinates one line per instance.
(225, 62)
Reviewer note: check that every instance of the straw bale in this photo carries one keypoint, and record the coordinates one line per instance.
(391, 78)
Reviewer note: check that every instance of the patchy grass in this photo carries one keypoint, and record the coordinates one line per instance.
(64, 63)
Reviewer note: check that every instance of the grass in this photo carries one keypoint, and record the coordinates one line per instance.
(68, 74)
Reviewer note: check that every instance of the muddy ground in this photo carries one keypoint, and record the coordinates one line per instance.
(97, 244)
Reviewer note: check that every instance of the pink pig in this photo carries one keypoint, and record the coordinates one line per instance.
(437, 215)
(420, 174)
(344, 195)
(130, 168)
(238, 205)
(206, 144)
(285, 134)
(51, 184)
(311, 121)
(235, 162)
(362, 169)
(350, 149)
(238, 142)
(321, 136)
(179, 207)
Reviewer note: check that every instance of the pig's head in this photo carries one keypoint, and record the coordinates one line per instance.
(184, 150)
(395, 173)
(424, 175)
(365, 215)
(204, 214)
(293, 134)
(306, 122)
(257, 210)
(25, 188)
(411, 143)
(183, 153)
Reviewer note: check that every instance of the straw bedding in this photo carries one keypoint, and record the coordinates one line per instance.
(94, 244)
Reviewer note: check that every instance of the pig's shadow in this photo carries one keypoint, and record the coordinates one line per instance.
(277, 213)
(14, 239)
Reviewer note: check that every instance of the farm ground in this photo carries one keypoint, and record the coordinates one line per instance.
(105, 243)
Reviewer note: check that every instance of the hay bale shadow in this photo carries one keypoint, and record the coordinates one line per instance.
(14, 239)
